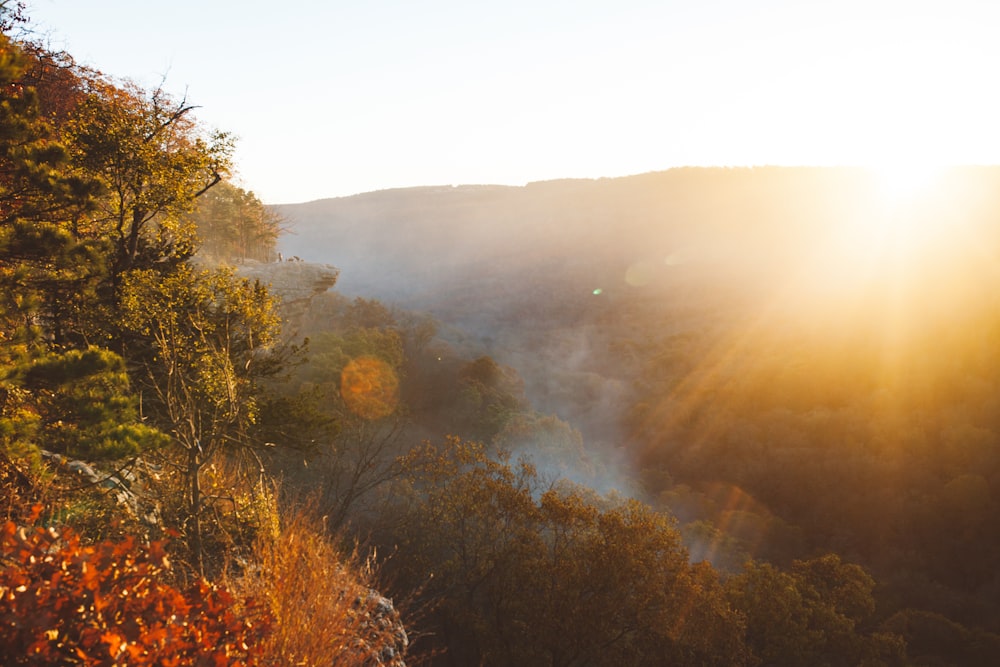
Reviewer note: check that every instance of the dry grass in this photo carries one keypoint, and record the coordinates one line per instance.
(325, 612)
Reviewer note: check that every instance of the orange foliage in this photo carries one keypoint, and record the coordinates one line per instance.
(369, 387)
(63, 602)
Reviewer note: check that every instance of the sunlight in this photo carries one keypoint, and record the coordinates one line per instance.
(904, 218)
(904, 183)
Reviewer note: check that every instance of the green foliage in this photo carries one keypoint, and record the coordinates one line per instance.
(549, 442)
(63, 602)
(46, 269)
(213, 337)
(77, 403)
(35, 183)
(301, 420)
(153, 161)
(98, 185)
(330, 352)
(347, 395)
(490, 395)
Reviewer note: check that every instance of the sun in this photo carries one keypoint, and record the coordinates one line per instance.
(893, 223)
(905, 206)
(904, 183)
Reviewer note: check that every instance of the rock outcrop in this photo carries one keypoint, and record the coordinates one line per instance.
(383, 638)
(294, 282)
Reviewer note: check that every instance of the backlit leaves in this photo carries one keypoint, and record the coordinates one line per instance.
(64, 602)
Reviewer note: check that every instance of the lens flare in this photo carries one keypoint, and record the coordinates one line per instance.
(369, 387)
(639, 273)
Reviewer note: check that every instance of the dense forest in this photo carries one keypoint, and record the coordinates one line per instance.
(636, 421)
(785, 360)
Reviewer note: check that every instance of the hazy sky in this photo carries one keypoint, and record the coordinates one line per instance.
(336, 98)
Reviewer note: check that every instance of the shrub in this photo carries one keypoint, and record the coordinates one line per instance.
(63, 602)
(323, 607)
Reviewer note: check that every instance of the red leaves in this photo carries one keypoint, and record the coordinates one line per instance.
(114, 642)
(64, 602)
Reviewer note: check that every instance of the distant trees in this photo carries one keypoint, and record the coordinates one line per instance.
(489, 396)
(232, 223)
(847, 441)
(820, 612)
(114, 346)
(348, 399)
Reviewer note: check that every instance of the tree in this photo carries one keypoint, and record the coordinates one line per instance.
(153, 161)
(46, 269)
(35, 182)
(490, 395)
(818, 613)
(529, 576)
(68, 400)
(11, 14)
(214, 338)
(232, 223)
(77, 403)
(554, 447)
(347, 395)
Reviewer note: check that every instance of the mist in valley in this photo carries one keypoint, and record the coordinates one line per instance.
(789, 361)
(701, 416)
(562, 280)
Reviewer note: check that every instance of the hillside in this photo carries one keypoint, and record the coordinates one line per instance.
(560, 240)
(792, 361)
(548, 276)
(425, 237)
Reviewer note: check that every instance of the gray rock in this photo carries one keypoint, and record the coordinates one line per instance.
(81, 468)
(387, 631)
(294, 283)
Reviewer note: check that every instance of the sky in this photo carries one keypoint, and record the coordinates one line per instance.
(336, 98)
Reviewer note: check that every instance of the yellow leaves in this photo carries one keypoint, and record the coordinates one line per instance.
(369, 387)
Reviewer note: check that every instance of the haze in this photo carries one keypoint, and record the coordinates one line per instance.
(707, 292)
(333, 99)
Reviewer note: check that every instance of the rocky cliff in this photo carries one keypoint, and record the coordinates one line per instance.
(294, 282)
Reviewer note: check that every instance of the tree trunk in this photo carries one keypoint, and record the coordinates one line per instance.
(194, 507)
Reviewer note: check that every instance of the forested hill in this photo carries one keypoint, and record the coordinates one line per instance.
(414, 242)
(792, 361)
(548, 275)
